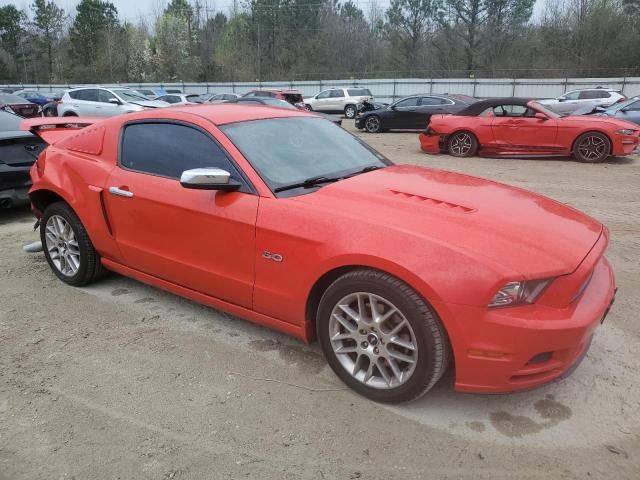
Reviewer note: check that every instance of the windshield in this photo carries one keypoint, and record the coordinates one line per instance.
(130, 96)
(286, 151)
(359, 92)
(276, 102)
(619, 106)
(546, 111)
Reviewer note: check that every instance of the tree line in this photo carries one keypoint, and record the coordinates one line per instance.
(251, 40)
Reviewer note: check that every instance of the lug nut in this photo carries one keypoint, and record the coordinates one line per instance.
(365, 344)
(363, 332)
(376, 351)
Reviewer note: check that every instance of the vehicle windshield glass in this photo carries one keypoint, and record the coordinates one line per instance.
(546, 111)
(286, 151)
(619, 106)
(359, 92)
(131, 96)
(276, 102)
(9, 122)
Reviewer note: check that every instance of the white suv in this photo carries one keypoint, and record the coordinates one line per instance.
(588, 97)
(338, 100)
(103, 102)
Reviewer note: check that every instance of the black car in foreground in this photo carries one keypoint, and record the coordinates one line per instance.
(412, 112)
(18, 151)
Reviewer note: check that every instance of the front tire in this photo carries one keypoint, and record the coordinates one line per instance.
(592, 147)
(70, 114)
(380, 337)
(350, 111)
(373, 124)
(462, 144)
(67, 246)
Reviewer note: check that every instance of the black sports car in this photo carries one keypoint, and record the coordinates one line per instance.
(18, 151)
(413, 112)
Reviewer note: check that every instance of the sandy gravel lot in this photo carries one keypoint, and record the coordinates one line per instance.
(123, 381)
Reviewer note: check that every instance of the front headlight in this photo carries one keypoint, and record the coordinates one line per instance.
(626, 131)
(519, 293)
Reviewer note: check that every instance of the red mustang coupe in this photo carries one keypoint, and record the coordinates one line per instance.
(287, 220)
(522, 127)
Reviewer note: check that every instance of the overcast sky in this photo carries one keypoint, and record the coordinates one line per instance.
(132, 10)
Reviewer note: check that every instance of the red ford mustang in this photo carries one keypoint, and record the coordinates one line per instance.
(523, 127)
(291, 222)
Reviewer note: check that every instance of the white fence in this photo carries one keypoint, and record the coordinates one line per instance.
(390, 89)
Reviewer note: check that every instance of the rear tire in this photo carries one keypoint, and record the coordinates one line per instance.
(308, 107)
(67, 246)
(70, 114)
(350, 111)
(380, 337)
(592, 147)
(462, 144)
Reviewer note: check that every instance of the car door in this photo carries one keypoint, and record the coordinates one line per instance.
(567, 103)
(104, 106)
(200, 239)
(336, 100)
(404, 113)
(322, 102)
(429, 106)
(630, 113)
(517, 128)
(84, 102)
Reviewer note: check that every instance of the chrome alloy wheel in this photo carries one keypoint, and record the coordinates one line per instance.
(373, 341)
(593, 147)
(460, 144)
(373, 124)
(350, 111)
(62, 245)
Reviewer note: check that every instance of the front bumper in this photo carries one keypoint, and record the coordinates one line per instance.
(519, 348)
(625, 144)
(359, 122)
(430, 143)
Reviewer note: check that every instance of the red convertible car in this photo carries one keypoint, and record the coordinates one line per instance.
(285, 219)
(524, 128)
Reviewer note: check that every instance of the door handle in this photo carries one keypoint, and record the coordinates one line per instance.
(120, 192)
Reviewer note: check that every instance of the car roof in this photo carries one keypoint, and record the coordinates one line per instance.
(275, 90)
(223, 113)
(477, 108)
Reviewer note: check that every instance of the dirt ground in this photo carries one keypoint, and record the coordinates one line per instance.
(122, 381)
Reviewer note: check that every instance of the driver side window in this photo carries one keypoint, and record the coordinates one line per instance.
(571, 96)
(168, 149)
(407, 102)
(104, 96)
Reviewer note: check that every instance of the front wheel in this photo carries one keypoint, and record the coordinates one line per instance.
(67, 246)
(462, 144)
(350, 111)
(592, 147)
(373, 124)
(380, 337)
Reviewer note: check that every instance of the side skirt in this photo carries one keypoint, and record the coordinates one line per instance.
(252, 316)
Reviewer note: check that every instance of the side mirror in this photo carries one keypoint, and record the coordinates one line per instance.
(115, 101)
(561, 99)
(541, 116)
(208, 179)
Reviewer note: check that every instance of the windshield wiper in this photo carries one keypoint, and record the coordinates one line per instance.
(308, 183)
(370, 168)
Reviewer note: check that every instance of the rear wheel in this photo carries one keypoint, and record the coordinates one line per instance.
(592, 147)
(308, 107)
(350, 111)
(462, 144)
(70, 114)
(373, 124)
(67, 246)
(380, 337)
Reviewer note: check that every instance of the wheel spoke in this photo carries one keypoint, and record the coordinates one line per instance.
(344, 322)
(347, 349)
(349, 311)
(400, 356)
(383, 371)
(403, 343)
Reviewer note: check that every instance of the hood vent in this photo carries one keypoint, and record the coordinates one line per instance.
(433, 202)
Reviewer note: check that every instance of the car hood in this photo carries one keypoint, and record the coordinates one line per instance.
(151, 103)
(509, 227)
(598, 120)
